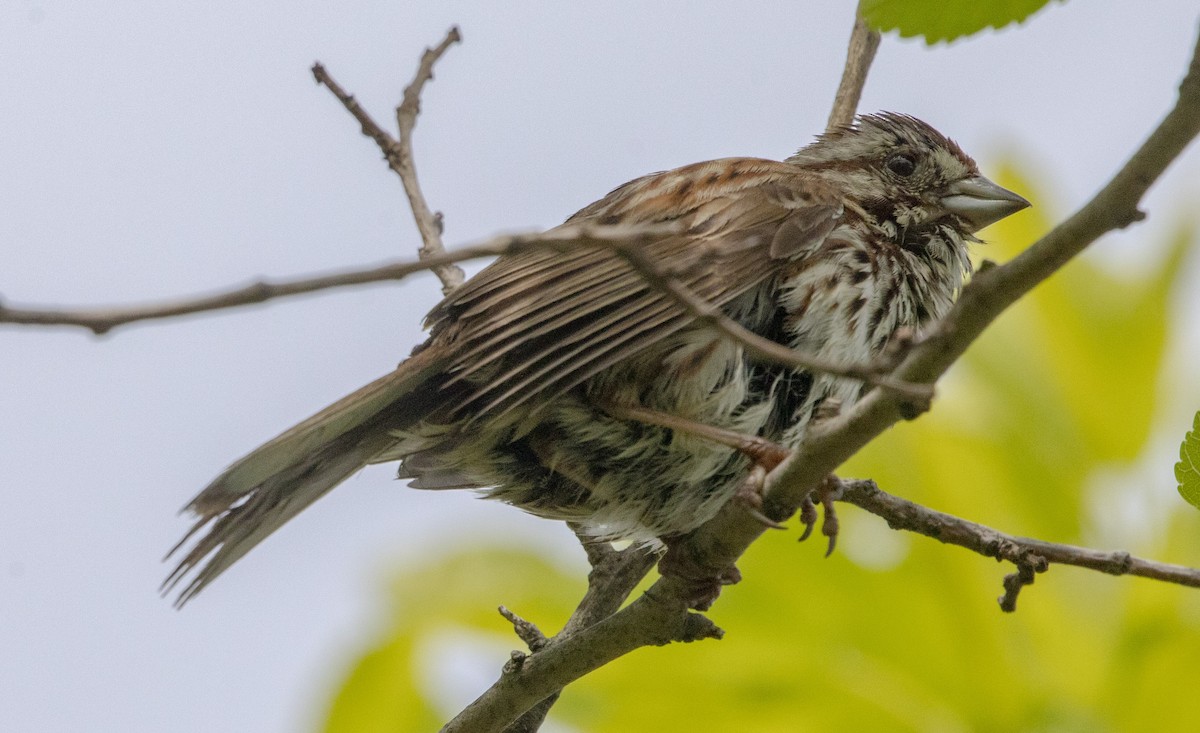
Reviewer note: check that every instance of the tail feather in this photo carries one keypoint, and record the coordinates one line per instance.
(237, 529)
(259, 493)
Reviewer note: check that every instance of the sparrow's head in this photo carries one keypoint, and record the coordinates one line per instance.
(907, 176)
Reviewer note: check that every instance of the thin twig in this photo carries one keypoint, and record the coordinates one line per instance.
(765, 349)
(429, 224)
(526, 631)
(399, 155)
(370, 127)
(652, 619)
(1015, 582)
(660, 616)
(859, 55)
(904, 514)
(614, 575)
(105, 319)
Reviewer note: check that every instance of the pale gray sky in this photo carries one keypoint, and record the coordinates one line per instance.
(155, 149)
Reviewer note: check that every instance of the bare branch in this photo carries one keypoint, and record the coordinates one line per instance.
(103, 320)
(660, 616)
(370, 127)
(765, 349)
(1014, 582)
(861, 52)
(399, 155)
(428, 223)
(1021, 551)
(615, 573)
(527, 631)
(653, 619)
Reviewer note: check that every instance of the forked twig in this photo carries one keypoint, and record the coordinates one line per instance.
(399, 154)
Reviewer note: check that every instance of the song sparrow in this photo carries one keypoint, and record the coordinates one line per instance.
(524, 385)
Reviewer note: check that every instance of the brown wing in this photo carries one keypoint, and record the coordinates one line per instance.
(531, 324)
(544, 321)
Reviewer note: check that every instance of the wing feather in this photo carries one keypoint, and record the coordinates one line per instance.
(528, 327)
(540, 323)
(557, 311)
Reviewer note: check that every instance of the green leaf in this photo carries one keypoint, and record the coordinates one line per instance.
(389, 690)
(945, 20)
(380, 694)
(1187, 471)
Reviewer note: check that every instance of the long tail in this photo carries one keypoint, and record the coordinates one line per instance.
(259, 493)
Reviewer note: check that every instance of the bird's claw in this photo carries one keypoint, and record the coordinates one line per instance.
(827, 493)
(750, 496)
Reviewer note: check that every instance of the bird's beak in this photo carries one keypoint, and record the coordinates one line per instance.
(980, 202)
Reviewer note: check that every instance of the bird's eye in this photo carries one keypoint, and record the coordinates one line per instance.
(902, 165)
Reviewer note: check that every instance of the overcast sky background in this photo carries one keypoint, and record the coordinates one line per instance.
(149, 150)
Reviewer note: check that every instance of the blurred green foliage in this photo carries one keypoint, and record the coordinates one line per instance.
(895, 632)
(945, 20)
(1187, 471)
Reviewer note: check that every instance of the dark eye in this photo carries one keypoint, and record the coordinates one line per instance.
(902, 165)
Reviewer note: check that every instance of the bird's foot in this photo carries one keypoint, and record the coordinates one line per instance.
(750, 496)
(829, 491)
(765, 454)
(762, 451)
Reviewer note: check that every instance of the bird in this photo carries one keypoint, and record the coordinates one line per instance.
(561, 380)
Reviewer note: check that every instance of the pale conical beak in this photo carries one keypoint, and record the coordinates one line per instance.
(980, 202)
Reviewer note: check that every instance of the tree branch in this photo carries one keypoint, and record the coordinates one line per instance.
(397, 152)
(399, 155)
(428, 222)
(764, 349)
(103, 320)
(660, 615)
(614, 575)
(904, 514)
(861, 52)
(652, 619)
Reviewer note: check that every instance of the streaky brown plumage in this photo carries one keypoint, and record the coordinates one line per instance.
(859, 234)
